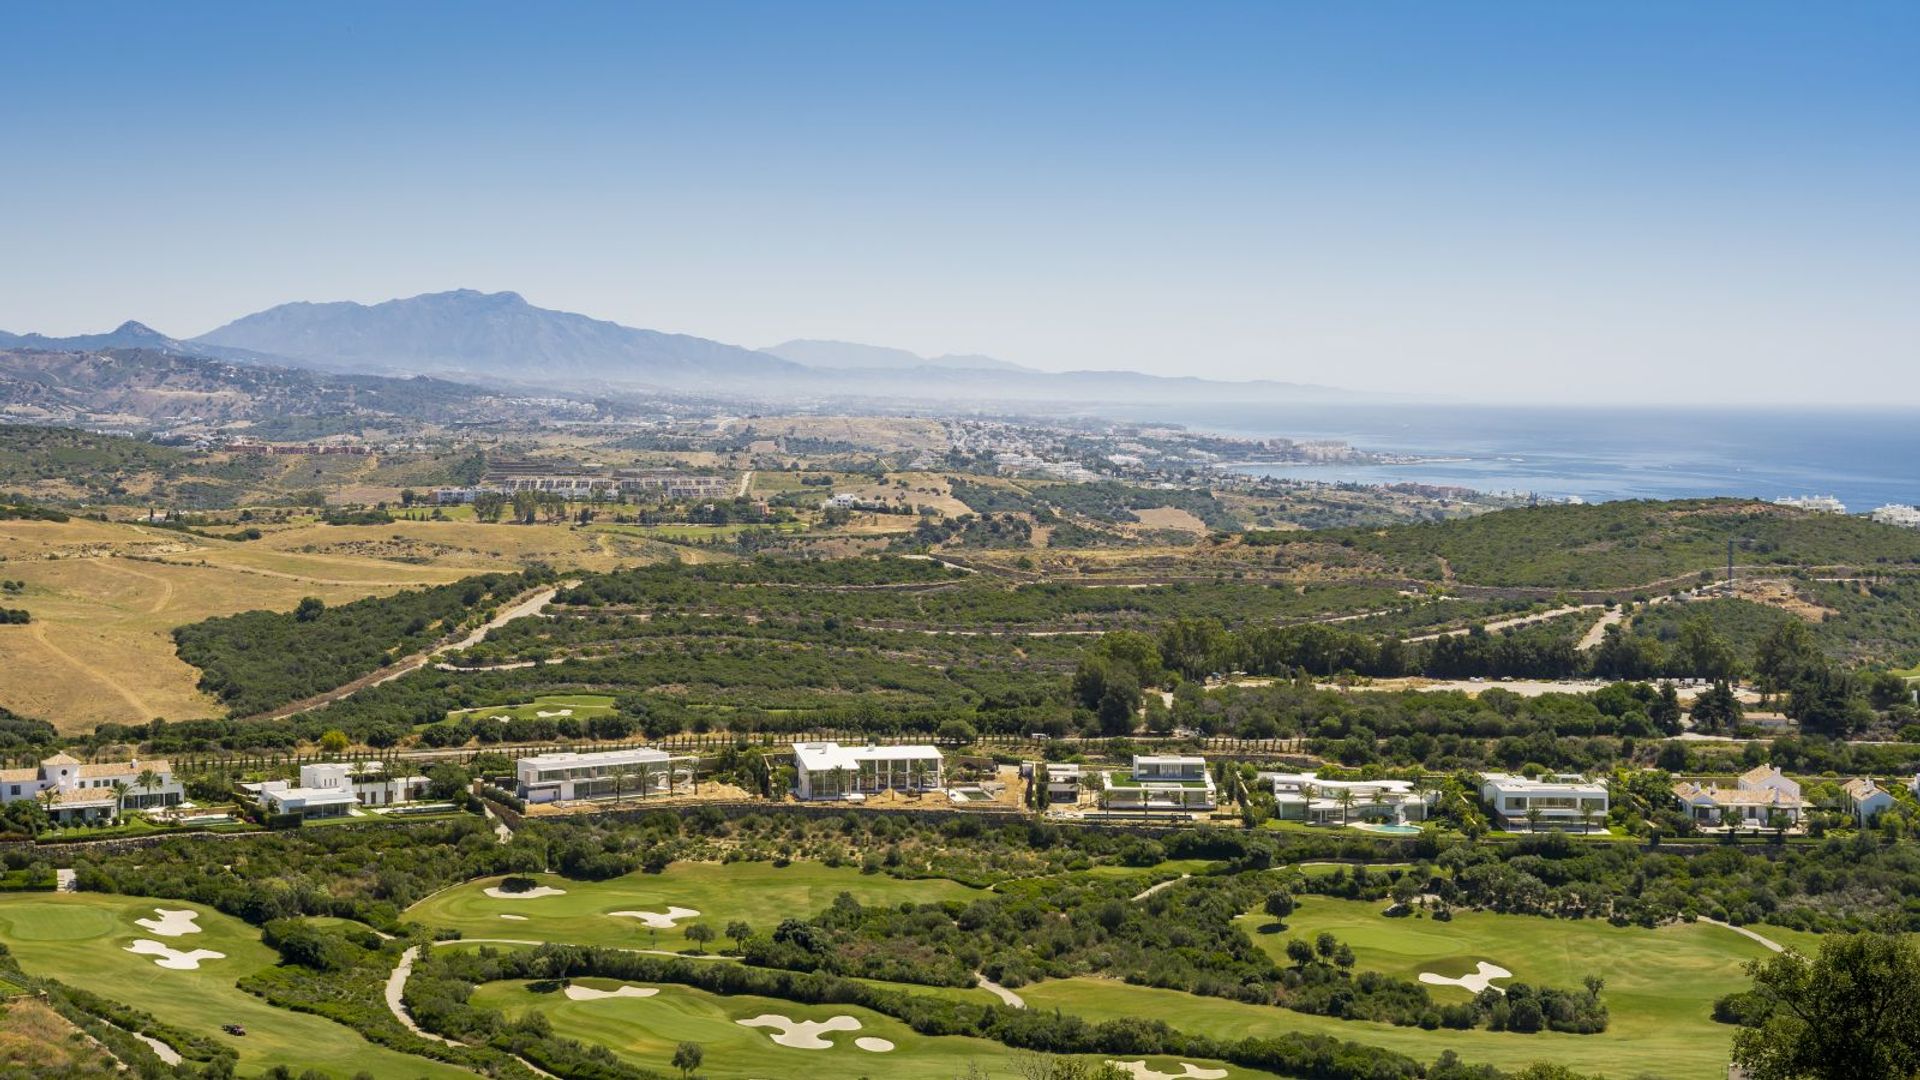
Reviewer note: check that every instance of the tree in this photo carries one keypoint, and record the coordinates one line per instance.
(687, 1058)
(333, 742)
(1718, 708)
(1279, 905)
(1665, 710)
(1534, 817)
(957, 732)
(447, 781)
(1852, 1013)
(1706, 654)
(738, 932)
(1786, 652)
(700, 934)
(309, 609)
(148, 781)
(120, 791)
(1345, 798)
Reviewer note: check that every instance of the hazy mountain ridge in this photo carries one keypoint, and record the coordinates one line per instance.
(493, 334)
(848, 355)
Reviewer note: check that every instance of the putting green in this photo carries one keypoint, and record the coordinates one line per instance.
(760, 894)
(555, 706)
(81, 938)
(646, 1030)
(1660, 987)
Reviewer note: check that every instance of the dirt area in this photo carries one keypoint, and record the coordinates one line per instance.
(1781, 594)
(1170, 517)
(1523, 687)
(36, 1041)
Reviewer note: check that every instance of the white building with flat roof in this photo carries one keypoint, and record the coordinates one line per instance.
(827, 770)
(568, 776)
(1176, 783)
(366, 781)
(1308, 798)
(1561, 800)
(87, 791)
(278, 798)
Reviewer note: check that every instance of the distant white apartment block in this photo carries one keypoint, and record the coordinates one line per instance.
(1893, 514)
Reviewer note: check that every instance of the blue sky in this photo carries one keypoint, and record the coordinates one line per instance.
(1567, 201)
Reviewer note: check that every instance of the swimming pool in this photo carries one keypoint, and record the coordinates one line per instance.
(1392, 830)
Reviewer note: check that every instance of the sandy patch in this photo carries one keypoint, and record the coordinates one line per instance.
(515, 918)
(171, 958)
(545, 715)
(161, 1050)
(657, 920)
(1477, 981)
(1140, 1070)
(170, 922)
(801, 1034)
(534, 893)
(873, 1045)
(588, 993)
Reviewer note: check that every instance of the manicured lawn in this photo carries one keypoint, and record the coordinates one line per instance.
(575, 706)
(1660, 987)
(759, 893)
(81, 939)
(646, 1030)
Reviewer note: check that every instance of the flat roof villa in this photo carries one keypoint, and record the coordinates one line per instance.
(278, 798)
(1308, 798)
(1561, 801)
(86, 792)
(1063, 780)
(1164, 782)
(568, 776)
(1752, 803)
(828, 770)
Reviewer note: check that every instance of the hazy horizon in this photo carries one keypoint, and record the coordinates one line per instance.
(1486, 202)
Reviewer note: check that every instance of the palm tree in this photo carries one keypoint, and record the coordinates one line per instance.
(48, 797)
(1345, 798)
(1590, 818)
(148, 781)
(121, 789)
(622, 776)
(1379, 798)
(1534, 817)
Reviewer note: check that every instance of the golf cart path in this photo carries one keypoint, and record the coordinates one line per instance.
(1001, 992)
(1151, 889)
(1744, 932)
(397, 988)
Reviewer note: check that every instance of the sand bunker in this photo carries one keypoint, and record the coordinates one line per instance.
(170, 923)
(534, 893)
(874, 1045)
(1140, 1070)
(1479, 980)
(171, 958)
(657, 920)
(801, 1034)
(515, 918)
(545, 715)
(588, 993)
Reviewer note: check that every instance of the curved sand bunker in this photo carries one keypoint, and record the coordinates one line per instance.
(801, 1034)
(1480, 979)
(657, 920)
(873, 1045)
(515, 918)
(171, 958)
(588, 993)
(1140, 1070)
(169, 922)
(534, 893)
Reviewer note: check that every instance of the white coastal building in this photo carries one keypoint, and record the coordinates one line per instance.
(1307, 798)
(1562, 801)
(1894, 514)
(1160, 782)
(75, 791)
(567, 776)
(828, 770)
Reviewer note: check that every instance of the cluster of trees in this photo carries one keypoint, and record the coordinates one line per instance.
(15, 616)
(258, 660)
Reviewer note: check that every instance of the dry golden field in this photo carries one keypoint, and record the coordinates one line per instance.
(105, 596)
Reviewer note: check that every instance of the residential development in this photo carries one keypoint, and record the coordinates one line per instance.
(828, 770)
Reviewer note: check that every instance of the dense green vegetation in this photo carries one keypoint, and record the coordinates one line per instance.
(1620, 545)
(1105, 501)
(259, 660)
(97, 463)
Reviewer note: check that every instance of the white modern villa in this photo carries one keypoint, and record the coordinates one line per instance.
(1562, 801)
(1165, 782)
(333, 789)
(567, 776)
(1308, 798)
(1062, 780)
(92, 792)
(828, 770)
(1752, 803)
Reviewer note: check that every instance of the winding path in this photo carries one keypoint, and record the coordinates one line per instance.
(1151, 889)
(1744, 932)
(1005, 995)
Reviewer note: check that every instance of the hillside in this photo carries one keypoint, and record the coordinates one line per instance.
(852, 356)
(1619, 544)
(143, 387)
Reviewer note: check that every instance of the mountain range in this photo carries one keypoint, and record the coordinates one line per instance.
(501, 339)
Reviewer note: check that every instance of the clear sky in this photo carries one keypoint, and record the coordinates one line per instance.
(1547, 201)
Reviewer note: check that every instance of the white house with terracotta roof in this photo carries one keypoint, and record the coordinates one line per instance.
(1866, 800)
(83, 791)
(1752, 803)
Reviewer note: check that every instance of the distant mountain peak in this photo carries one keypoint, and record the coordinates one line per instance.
(851, 355)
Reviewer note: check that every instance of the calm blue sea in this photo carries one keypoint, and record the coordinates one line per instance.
(1865, 458)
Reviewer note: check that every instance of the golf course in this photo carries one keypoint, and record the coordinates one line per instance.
(83, 940)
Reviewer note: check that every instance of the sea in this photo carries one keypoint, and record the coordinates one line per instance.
(1866, 458)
